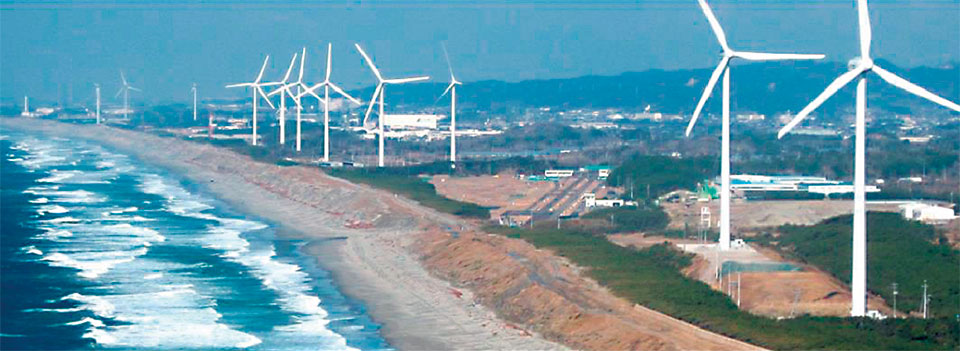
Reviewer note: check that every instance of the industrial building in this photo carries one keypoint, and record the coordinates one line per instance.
(927, 213)
(817, 185)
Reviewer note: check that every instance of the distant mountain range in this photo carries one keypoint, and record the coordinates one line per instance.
(766, 88)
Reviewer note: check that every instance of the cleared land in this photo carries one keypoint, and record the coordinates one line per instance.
(750, 216)
(773, 294)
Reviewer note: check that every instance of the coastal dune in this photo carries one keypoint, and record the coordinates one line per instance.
(434, 281)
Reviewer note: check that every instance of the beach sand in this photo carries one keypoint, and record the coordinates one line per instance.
(435, 282)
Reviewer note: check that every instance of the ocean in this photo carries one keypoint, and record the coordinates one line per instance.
(100, 251)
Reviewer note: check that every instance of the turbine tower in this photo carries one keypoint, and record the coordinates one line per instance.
(97, 89)
(257, 88)
(452, 89)
(327, 85)
(378, 93)
(724, 68)
(285, 89)
(300, 86)
(194, 90)
(125, 90)
(859, 67)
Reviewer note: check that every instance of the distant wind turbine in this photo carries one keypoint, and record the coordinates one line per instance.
(284, 91)
(452, 89)
(97, 90)
(378, 93)
(327, 85)
(194, 91)
(859, 67)
(257, 88)
(724, 68)
(125, 90)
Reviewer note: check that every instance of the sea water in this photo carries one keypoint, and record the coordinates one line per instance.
(99, 251)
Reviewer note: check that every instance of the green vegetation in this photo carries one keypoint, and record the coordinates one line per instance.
(631, 219)
(898, 251)
(662, 174)
(412, 187)
(651, 277)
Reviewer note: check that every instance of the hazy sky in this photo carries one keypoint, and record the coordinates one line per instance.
(163, 47)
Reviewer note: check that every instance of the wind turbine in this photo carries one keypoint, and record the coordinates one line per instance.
(194, 90)
(452, 89)
(378, 93)
(125, 90)
(327, 85)
(257, 87)
(300, 85)
(97, 89)
(285, 89)
(724, 68)
(859, 67)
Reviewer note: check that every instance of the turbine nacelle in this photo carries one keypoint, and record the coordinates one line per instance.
(860, 63)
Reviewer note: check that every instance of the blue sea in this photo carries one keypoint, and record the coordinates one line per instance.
(99, 251)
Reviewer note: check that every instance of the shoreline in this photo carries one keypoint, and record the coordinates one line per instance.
(415, 309)
(430, 286)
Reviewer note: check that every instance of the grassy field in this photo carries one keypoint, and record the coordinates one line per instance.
(413, 188)
(631, 219)
(651, 277)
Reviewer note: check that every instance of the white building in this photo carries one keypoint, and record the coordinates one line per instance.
(927, 213)
(415, 121)
(590, 200)
(558, 173)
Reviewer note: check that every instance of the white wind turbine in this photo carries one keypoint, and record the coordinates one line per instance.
(452, 89)
(859, 67)
(378, 93)
(194, 91)
(327, 85)
(97, 89)
(724, 68)
(300, 86)
(285, 89)
(125, 90)
(257, 88)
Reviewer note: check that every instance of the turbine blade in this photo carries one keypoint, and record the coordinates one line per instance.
(447, 57)
(329, 61)
(373, 100)
(913, 88)
(831, 89)
(309, 90)
(341, 92)
(405, 80)
(447, 90)
(314, 94)
(134, 89)
(277, 91)
(714, 77)
(290, 68)
(373, 68)
(260, 91)
(124, 79)
(866, 33)
(262, 68)
(118, 93)
(303, 59)
(238, 85)
(761, 56)
(721, 37)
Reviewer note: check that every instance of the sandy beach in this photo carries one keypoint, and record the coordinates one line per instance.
(433, 281)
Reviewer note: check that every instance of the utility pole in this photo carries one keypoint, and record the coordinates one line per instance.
(925, 300)
(895, 292)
